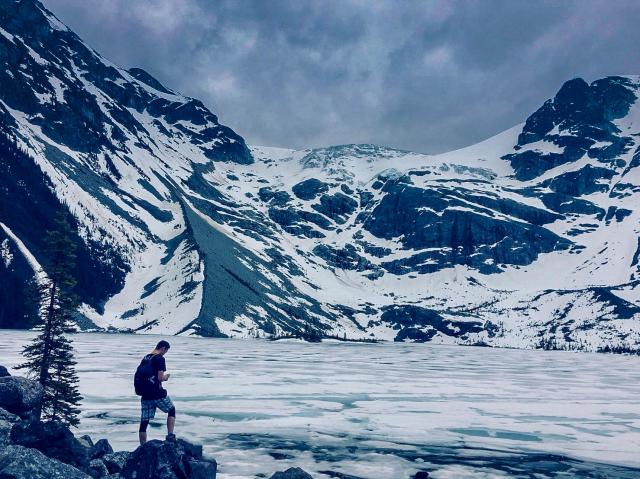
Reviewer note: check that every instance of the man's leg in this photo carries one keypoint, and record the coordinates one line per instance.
(166, 405)
(171, 420)
(147, 412)
(142, 433)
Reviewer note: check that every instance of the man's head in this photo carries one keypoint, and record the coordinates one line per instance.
(162, 347)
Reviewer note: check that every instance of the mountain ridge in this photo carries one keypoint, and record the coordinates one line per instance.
(527, 239)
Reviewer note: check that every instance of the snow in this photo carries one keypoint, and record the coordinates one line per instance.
(6, 35)
(367, 409)
(5, 253)
(33, 262)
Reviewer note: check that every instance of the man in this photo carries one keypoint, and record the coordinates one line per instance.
(156, 397)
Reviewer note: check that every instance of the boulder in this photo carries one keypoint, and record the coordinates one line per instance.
(292, 473)
(420, 475)
(19, 395)
(7, 416)
(18, 462)
(53, 439)
(97, 469)
(86, 441)
(99, 449)
(7, 420)
(193, 451)
(202, 469)
(3, 372)
(115, 461)
(5, 432)
(168, 460)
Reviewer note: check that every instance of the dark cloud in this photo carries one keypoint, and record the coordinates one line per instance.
(428, 76)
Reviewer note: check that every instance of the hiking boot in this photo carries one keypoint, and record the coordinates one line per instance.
(170, 438)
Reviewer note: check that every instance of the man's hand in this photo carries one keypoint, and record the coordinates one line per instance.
(166, 376)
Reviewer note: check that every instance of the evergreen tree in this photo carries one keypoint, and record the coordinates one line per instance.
(50, 355)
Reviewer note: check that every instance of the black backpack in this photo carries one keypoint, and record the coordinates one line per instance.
(144, 380)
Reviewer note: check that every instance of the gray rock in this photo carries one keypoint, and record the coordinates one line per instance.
(18, 462)
(202, 469)
(115, 461)
(3, 372)
(53, 439)
(191, 450)
(86, 441)
(100, 448)
(19, 395)
(292, 473)
(7, 420)
(97, 469)
(5, 432)
(7, 416)
(168, 460)
(421, 475)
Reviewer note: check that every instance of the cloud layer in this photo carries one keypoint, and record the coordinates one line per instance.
(428, 76)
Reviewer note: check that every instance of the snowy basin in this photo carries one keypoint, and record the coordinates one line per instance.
(375, 411)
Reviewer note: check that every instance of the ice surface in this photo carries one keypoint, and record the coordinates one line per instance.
(372, 410)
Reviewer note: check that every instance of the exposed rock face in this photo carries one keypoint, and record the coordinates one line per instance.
(52, 439)
(8, 417)
(292, 473)
(3, 372)
(115, 461)
(585, 113)
(19, 395)
(99, 449)
(168, 460)
(97, 469)
(86, 441)
(17, 462)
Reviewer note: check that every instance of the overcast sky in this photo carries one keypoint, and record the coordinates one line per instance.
(428, 76)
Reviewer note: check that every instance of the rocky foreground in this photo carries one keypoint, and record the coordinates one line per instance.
(32, 449)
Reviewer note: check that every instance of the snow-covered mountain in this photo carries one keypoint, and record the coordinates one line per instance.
(528, 239)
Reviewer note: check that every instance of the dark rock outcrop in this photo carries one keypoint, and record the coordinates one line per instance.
(6, 423)
(115, 461)
(3, 372)
(86, 441)
(309, 189)
(8, 417)
(99, 449)
(292, 473)
(459, 228)
(583, 114)
(19, 395)
(17, 462)
(53, 439)
(97, 469)
(337, 207)
(168, 460)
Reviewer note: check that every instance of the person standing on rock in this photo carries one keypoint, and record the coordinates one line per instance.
(150, 375)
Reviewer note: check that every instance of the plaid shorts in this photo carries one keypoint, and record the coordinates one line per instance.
(148, 407)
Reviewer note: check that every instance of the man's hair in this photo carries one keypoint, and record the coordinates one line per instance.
(163, 344)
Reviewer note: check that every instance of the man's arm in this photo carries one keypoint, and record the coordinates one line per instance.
(162, 375)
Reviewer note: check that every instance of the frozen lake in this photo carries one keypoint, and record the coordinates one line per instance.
(375, 411)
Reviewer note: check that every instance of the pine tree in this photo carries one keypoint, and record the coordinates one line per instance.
(50, 355)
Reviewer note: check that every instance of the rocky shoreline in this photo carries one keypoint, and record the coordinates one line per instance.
(32, 449)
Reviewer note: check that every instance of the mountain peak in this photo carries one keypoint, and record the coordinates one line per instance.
(79, 100)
